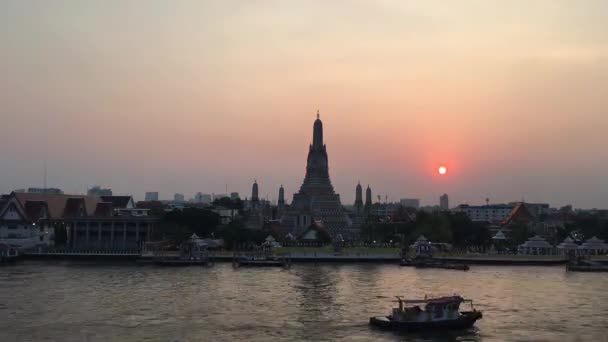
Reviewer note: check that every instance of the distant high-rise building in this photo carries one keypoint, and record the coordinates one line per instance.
(410, 203)
(234, 195)
(53, 191)
(152, 196)
(444, 203)
(202, 198)
(178, 197)
(486, 213)
(98, 191)
(220, 196)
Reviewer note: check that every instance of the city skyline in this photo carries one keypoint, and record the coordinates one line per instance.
(190, 98)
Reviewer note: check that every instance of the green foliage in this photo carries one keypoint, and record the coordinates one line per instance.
(171, 231)
(236, 234)
(447, 227)
(203, 222)
(520, 233)
(586, 225)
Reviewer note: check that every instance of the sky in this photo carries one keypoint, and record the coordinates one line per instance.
(188, 96)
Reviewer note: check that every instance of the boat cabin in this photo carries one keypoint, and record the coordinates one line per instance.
(425, 310)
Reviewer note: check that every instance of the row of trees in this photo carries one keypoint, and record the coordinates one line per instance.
(454, 228)
(178, 225)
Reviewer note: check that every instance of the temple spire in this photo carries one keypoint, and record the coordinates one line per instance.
(254, 192)
(317, 134)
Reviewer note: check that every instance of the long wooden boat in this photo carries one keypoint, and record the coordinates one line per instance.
(434, 314)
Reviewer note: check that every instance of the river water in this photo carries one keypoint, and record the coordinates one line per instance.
(83, 301)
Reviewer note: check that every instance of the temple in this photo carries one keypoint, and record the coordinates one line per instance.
(316, 202)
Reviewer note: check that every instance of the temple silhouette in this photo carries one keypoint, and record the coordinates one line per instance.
(317, 202)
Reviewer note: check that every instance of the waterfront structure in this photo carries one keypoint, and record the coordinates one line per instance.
(593, 246)
(99, 191)
(444, 203)
(178, 197)
(495, 213)
(76, 221)
(410, 203)
(316, 200)
(536, 245)
(151, 196)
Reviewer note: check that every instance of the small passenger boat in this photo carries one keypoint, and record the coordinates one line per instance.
(261, 262)
(433, 314)
(432, 263)
(8, 253)
(263, 258)
(583, 265)
(193, 253)
(181, 261)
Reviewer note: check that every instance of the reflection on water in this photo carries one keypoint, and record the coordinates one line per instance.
(81, 301)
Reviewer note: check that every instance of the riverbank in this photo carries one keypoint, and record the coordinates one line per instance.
(311, 255)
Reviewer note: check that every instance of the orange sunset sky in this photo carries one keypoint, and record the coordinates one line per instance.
(187, 96)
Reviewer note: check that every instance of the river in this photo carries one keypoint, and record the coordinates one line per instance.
(86, 301)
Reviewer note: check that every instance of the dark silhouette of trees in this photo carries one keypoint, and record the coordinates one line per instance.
(229, 203)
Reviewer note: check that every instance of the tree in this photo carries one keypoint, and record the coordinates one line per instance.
(229, 203)
(236, 234)
(519, 233)
(203, 222)
(171, 231)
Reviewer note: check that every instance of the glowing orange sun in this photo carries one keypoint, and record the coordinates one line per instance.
(442, 170)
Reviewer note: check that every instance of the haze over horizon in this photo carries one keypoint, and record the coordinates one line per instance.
(189, 96)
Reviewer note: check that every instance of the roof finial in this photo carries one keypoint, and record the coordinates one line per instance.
(318, 114)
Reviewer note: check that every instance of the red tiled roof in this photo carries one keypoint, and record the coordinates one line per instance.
(519, 213)
(75, 207)
(117, 201)
(34, 210)
(56, 203)
(103, 209)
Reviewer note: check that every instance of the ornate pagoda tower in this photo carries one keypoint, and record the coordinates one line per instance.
(358, 199)
(316, 201)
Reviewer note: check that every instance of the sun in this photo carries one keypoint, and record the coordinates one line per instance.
(442, 170)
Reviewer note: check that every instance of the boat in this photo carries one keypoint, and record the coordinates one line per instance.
(432, 263)
(261, 262)
(264, 257)
(585, 265)
(181, 261)
(432, 314)
(193, 252)
(8, 253)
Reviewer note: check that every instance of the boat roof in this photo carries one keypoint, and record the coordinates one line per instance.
(434, 300)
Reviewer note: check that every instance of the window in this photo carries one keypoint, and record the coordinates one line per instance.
(41, 238)
(12, 226)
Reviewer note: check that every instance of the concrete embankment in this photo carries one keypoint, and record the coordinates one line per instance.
(387, 258)
(511, 261)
